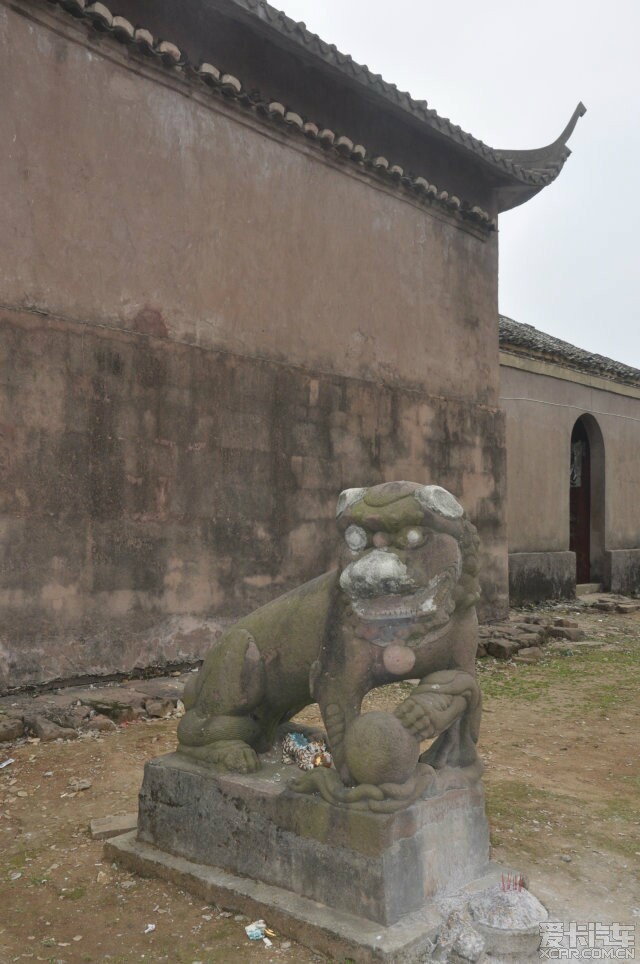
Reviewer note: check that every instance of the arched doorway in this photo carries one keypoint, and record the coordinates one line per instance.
(586, 499)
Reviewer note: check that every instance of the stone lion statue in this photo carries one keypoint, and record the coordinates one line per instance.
(400, 606)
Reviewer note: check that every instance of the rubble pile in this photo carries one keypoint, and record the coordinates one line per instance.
(523, 637)
(66, 713)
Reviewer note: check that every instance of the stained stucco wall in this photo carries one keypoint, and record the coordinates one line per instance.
(208, 329)
(541, 411)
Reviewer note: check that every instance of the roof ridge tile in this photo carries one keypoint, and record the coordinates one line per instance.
(404, 98)
(170, 56)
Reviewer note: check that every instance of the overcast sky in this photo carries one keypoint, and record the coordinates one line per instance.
(511, 73)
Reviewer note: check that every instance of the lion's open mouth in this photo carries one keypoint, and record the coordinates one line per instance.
(432, 605)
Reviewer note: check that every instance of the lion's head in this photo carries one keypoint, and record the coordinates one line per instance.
(409, 554)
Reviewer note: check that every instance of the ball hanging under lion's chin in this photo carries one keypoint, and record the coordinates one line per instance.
(380, 750)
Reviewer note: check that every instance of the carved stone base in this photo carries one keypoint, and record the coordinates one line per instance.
(250, 836)
(377, 866)
(347, 883)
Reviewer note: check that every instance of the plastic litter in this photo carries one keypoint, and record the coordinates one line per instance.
(306, 754)
(256, 931)
(6, 763)
(149, 928)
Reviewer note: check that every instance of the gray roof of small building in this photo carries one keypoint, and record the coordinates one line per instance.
(521, 339)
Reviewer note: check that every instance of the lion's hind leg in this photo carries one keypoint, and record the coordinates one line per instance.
(220, 728)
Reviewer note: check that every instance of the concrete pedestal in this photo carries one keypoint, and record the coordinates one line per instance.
(344, 881)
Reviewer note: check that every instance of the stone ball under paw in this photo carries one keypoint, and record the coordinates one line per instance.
(379, 749)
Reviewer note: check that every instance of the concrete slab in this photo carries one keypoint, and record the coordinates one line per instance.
(102, 828)
(329, 931)
(332, 931)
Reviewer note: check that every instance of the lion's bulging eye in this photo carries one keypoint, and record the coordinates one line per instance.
(411, 538)
(356, 538)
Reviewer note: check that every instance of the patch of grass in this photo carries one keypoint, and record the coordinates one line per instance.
(76, 893)
(609, 698)
(632, 780)
(511, 801)
(612, 678)
(523, 814)
(19, 859)
(625, 845)
(622, 808)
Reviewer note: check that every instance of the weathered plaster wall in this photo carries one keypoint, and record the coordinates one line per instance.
(144, 479)
(207, 331)
(135, 200)
(280, 70)
(541, 411)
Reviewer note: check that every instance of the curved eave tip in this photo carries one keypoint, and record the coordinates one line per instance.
(537, 168)
(546, 161)
(558, 152)
(579, 112)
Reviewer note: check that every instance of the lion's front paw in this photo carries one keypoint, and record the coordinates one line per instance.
(233, 755)
(415, 716)
(426, 715)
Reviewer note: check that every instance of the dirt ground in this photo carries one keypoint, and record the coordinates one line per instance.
(560, 740)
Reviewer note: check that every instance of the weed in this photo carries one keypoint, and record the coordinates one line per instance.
(76, 893)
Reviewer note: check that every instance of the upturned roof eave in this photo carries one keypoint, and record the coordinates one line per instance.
(519, 174)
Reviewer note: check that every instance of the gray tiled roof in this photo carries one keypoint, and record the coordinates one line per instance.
(168, 55)
(537, 167)
(526, 340)
(528, 170)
